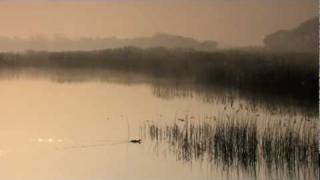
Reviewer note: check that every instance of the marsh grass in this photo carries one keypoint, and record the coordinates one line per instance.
(245, 142)
(293, 144)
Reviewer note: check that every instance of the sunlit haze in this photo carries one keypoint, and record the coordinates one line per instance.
(236, 23)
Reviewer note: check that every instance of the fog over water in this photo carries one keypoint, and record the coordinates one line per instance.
(150, 90)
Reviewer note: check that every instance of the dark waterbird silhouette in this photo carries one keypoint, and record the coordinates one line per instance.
(180, 119)
(135, 141)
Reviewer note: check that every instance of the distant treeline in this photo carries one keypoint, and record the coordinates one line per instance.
(304, 38)
(60, 42)
(294, 74)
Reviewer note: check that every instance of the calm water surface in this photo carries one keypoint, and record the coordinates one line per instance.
(80, 131)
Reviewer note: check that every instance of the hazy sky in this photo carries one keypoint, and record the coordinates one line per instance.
(233, 22)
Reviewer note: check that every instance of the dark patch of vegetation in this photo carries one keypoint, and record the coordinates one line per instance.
(279, 75)
(229, 97)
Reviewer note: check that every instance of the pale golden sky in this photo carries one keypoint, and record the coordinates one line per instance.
(231, 22)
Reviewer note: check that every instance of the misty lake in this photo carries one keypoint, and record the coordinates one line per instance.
(159, 90)
(76, 128)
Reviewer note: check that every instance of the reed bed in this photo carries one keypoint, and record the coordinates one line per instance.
(245, 142)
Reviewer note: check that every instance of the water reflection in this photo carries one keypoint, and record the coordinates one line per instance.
(79, 118)
(83, 115)
(274, 104)
(174, 87)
